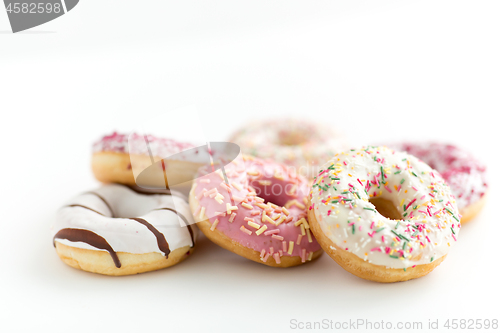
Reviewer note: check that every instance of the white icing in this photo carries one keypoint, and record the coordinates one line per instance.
(124, 234)
(365, 164)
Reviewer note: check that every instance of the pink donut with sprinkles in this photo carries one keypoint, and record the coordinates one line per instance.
(465, 175)
(256, 209)
(120, 158)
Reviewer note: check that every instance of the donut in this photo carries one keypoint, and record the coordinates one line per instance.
(465, 175)
(120, 158)
(297, 143)
(257, 210)
(118, 230)
(383, 215)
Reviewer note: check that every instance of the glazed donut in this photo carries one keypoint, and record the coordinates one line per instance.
(297, 143)
(465, 175)
(115, 230)
(120, 158)
(383, 215)
(258, 213)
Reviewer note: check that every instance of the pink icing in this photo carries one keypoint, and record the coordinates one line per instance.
(249, 182)
(465, 175)
(136, 144)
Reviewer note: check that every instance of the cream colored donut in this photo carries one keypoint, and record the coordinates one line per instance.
(120, 158)
(383, 216)
(297, 143)
(259, 213)
(117, 230)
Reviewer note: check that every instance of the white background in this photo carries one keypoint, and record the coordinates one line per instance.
(377, 70)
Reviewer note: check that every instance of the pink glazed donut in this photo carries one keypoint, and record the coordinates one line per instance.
(465, 175)
(120, 158)
(256, 209)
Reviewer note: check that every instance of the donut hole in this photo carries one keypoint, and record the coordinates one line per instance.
(292, 138)
(386, 208)
(275, 195)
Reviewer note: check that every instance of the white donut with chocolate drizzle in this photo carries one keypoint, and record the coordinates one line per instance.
(125, 220)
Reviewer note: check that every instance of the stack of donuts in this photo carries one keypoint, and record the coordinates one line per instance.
(295, 191)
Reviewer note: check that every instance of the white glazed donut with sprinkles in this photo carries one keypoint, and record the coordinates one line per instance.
(419, 225)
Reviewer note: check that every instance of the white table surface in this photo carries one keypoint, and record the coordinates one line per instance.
(379, 71)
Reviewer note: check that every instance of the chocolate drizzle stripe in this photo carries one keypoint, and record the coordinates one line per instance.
(95, 211)
(190, 228)
(89, 237)
(185, 221)
(160, 238)
(144, 191)
(164, 171)
(105, 202)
